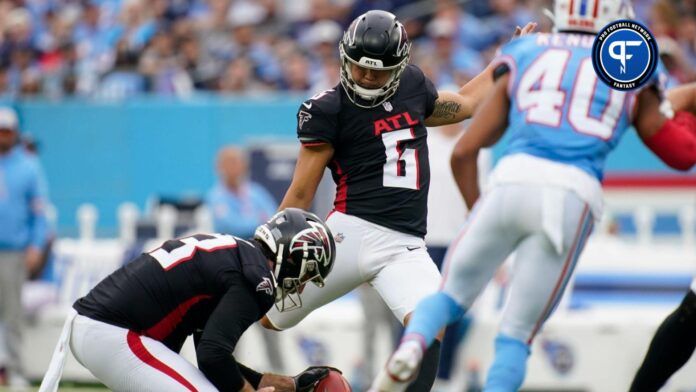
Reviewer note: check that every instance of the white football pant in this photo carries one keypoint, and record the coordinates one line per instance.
(127, 362)
(395, 264)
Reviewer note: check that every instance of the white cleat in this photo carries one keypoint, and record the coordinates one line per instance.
(401, 368)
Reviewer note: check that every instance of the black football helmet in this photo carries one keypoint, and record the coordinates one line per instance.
(303, 250)
(374, 40)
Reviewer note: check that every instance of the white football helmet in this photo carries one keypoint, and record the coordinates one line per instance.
(589, 15)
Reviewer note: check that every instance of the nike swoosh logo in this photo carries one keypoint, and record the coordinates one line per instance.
(410, 248)
(307, 105)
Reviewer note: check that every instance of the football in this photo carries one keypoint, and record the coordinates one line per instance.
(334, 382)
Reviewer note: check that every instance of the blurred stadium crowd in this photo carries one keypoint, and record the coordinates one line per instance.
(119, 48)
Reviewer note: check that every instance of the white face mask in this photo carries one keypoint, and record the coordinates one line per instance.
(288, 295)
(365, 97)
(288, 291)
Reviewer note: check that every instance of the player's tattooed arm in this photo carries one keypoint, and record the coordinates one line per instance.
(486, 129)
(446, 109)
(449, 108)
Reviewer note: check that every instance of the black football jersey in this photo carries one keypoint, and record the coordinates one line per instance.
(175, 290)
(380, 164)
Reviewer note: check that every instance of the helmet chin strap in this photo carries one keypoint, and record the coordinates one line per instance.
(369, 93)
(363, 92)
(278, 261)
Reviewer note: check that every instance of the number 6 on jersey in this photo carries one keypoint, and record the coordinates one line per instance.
(401, 167)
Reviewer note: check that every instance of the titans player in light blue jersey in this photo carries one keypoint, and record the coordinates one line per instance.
(545, 192)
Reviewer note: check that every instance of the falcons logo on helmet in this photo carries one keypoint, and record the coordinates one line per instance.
(313, 239)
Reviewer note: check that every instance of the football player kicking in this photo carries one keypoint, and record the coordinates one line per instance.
(129, 329)
(546, 189)
(370, 131)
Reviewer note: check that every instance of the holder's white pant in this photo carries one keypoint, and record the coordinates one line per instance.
(125, 361)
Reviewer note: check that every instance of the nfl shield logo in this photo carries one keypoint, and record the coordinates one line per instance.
(387, 106)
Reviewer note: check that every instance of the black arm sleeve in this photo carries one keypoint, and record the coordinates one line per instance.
(236, 311)
(251, 375)
(197, 338)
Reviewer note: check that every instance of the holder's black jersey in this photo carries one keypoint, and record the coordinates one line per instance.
(380, 164)
(211, 285)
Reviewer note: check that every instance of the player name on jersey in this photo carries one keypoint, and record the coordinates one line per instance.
(564, 39)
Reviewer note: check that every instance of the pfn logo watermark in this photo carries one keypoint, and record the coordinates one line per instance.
(624, 55)
(621, 55)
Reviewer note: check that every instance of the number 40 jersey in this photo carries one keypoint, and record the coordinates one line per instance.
(559, 109)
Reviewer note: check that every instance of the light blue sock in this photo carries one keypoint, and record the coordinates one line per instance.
(509, 366)
(431, 315)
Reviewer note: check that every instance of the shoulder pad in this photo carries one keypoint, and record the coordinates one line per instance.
(327, 101)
